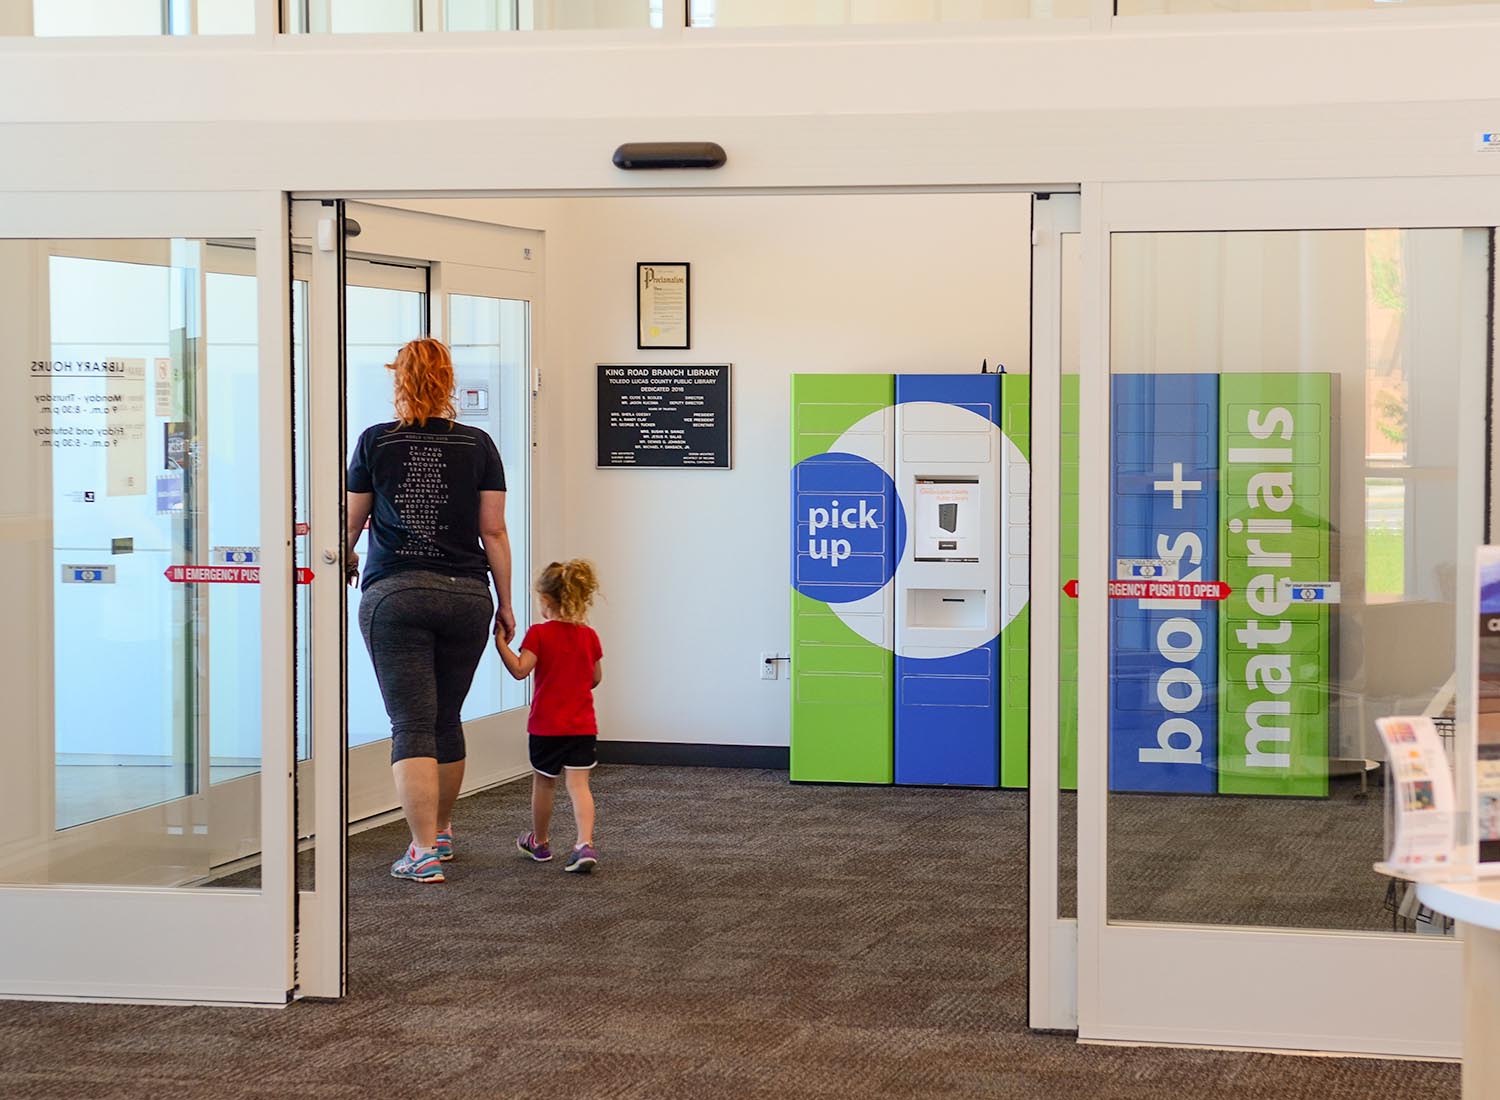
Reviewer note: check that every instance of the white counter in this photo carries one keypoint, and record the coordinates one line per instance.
(1476, 906)
(1476, 903)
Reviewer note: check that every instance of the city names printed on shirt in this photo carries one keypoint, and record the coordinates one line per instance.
(421, 497)
(659, 416)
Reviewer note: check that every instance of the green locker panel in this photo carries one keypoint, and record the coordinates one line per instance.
(1067, 618)
(843, 675)
(1015, 638)
(1015, 651)
(1275, 671)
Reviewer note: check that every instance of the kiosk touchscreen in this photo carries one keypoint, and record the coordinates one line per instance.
(948, 519)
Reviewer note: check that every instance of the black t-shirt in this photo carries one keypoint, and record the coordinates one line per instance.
(426, 483)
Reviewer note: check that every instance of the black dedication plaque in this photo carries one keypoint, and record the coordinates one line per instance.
(656, 417)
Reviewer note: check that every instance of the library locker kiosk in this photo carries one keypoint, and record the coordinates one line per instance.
(898, 504)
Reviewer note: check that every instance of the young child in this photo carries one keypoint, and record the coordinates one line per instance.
(565, 653)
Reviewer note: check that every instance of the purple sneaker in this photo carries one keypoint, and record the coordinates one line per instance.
(582, 859)
(527, 843)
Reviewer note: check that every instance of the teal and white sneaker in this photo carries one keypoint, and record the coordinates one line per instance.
(445, 846)
(418, 866)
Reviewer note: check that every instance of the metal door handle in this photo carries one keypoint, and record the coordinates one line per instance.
(331, 556)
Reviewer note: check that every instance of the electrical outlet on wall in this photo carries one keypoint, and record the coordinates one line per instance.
(768, 666)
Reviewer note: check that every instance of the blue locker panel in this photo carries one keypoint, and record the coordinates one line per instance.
(979, 393)
(947, 720)
(849, 556)
(1164, 665)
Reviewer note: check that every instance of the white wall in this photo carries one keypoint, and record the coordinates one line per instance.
(1372, 97)
(694, 563)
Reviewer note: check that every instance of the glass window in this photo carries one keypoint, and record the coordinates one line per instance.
(77, 18)
(481, 15)
(390, 16)
(365, 16)
(1221, 7)
(1276, 396)
(789, 13)
(233, 408)
(1385, 538)
(492, 367)
(491, 346)
(133, 456)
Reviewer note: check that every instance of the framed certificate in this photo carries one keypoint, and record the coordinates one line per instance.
(663, 300)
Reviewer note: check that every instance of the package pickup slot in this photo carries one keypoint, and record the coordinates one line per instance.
(946, 609)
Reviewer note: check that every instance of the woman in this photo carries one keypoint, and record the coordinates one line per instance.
(433, 491)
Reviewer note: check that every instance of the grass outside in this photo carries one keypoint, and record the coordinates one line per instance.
(1385, 561)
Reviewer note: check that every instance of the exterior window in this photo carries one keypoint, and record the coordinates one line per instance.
(1222, 7)
(799, 13)
(86, 18)
(408, 16)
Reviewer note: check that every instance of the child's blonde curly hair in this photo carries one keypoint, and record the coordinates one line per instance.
(570, 585)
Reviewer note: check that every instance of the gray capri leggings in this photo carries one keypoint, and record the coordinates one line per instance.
(425, 633)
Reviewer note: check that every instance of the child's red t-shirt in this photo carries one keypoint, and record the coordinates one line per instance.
(563, 703)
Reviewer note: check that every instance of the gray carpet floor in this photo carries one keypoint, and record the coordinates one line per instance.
(742, 938)
(1264, 862)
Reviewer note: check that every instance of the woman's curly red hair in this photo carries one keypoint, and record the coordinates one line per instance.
(424, 382)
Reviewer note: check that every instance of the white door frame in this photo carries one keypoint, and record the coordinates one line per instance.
(1052, 972)
(200, 943)
(1210, 985)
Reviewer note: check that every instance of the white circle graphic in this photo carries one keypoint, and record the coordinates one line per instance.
(874, 438)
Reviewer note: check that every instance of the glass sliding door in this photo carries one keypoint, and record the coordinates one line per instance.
(1273, 395)
(473, 285)
(141, 604)
(189, 310)
(1294, 433)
